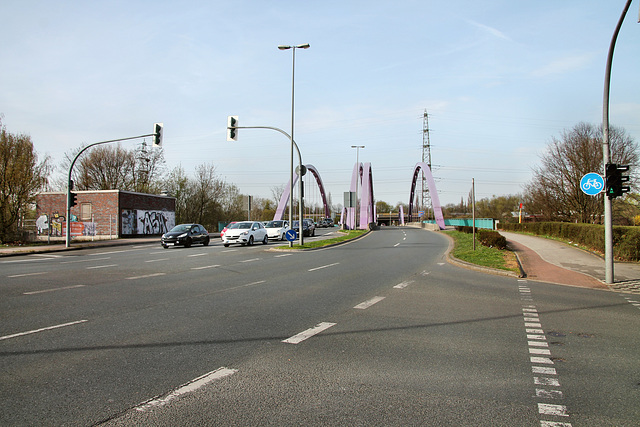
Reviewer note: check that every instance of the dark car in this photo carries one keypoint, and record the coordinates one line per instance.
(185, 235)
(308, 227)
(325, 222)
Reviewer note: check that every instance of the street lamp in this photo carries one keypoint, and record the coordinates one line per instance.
(293, 74)
(357, 147)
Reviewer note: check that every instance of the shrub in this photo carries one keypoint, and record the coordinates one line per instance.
(492, 239)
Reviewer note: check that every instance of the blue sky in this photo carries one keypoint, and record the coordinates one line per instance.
(498, 78)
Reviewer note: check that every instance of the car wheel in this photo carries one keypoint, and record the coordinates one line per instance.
(265, 240)
(283, 237)
(187, 243)
(250, 241)
(313, 233)
(206, 241)
(165, 246)
(226, 245)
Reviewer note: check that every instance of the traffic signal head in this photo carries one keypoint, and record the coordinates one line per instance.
(232, 132)
(73, 199)
(614, 178)
(157, 137)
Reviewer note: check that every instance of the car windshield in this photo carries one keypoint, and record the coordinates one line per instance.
(180, 228)
(241, 225)
(275, 224)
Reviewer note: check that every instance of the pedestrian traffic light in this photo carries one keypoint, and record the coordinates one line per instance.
(232, 132)
(72, 199)
(157, 130)
(615, 179)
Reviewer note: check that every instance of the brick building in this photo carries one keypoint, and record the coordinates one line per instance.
(106, 214)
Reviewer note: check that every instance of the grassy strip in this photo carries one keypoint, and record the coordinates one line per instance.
(348, 235)
(483, 255)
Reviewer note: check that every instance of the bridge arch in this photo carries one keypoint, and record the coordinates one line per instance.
(435, 200)
(284, 200)
(362, 176)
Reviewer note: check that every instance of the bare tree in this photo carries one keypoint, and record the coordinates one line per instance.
(21, 177)
(555, 190)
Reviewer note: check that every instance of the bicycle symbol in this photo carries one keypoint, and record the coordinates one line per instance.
(592, 183)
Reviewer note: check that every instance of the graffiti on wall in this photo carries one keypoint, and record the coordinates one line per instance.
(137, 221)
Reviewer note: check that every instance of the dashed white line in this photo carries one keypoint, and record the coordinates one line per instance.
(324, 266)
(205, 267)
(101, 266)
(158, 260)
(189, 387)
(280, 256)
(194, 255)
(52, 290)
(298, 338)
(6, 337)
(250, 260)
(145, 276)
(369, 303)
(549, 409)
(84, 260)
(27, 274)
(403, 285)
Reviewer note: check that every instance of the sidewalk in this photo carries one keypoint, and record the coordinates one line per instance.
(59, 247)
(556, 262)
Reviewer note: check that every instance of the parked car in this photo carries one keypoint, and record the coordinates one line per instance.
(308, 228)
(325, 222)
(185, 235)
(245, 233)
(277, 229)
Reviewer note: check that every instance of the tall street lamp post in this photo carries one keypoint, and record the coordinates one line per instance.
(293, 74)
(357, 147)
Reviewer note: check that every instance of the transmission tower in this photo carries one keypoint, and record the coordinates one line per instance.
(426, 158)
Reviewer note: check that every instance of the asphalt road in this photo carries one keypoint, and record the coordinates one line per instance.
(380, 331)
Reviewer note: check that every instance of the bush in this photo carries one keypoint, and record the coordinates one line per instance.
(492, 239)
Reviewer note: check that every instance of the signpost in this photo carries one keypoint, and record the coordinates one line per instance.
(592, 184)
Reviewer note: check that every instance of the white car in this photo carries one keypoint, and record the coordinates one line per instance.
(245, 233)
(277, 229)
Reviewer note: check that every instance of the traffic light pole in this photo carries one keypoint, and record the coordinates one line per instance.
(293, 143)
(68, 220)
(606, 152)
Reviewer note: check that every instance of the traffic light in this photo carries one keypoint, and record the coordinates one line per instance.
(615, 179)
(72, 199)
(157, 130)
(232, 132)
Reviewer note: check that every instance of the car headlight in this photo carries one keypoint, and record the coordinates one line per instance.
(244, 233)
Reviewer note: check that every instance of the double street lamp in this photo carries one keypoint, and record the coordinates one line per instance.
(293, 73)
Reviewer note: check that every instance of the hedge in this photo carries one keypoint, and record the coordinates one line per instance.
(489, 238)
(626, 240)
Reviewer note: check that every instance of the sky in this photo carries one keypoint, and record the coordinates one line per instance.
(498, 79)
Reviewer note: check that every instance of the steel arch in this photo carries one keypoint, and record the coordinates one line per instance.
(285, 195)
(435, 200)
(363, 175)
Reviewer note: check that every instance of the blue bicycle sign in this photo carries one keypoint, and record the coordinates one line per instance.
(592, 183)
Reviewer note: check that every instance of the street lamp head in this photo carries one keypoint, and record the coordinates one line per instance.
(303, 46)
(300, 46)
(284, 47)
(357, 146)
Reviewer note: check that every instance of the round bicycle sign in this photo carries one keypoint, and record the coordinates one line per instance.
(592, 183)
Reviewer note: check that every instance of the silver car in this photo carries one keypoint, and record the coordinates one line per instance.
(277, 229)
(245, 233)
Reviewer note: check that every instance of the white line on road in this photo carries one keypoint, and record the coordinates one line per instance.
(6, 337)
(47, 255)
(204, 253)
(102, 266)
(146, 276)
(28, 274)
(548, 409)
(396, 245)
(85, 260)
(53, 290)
(308, 333)
(403, 285)
(280, 256)
(369, 303)
(205, 266)
(324, 266)
(250, 260)
(189, 387)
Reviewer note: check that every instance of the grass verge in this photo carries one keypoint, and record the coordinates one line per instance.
(348, 235)
(483, 255)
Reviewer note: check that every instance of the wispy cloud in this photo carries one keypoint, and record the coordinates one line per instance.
(490, 30)
(563, 65)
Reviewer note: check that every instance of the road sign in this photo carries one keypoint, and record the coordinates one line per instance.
(291, 235)
(592, 183)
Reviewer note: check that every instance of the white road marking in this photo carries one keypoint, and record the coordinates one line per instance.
(102, 266)
(548, 409)
(204, 253)
(6, 337)
(85, 260)
(554, 424)
(27, 274)
(113, 252)
(403, 284)
(548, 394)
(189, 387)
(52, 290)
(543, 360)
(532, 325)
(280, 256)
(546, 381)
(47, 255)
(157, 260)
(308, 333)
(250, 260)
(206, 266)
(543, 370)
(324, 266)
(145, 276)
(369, 303)
(538, 344)
(396, 245)
(541, 351)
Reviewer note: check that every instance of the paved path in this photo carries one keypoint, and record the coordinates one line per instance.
(552, 261)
